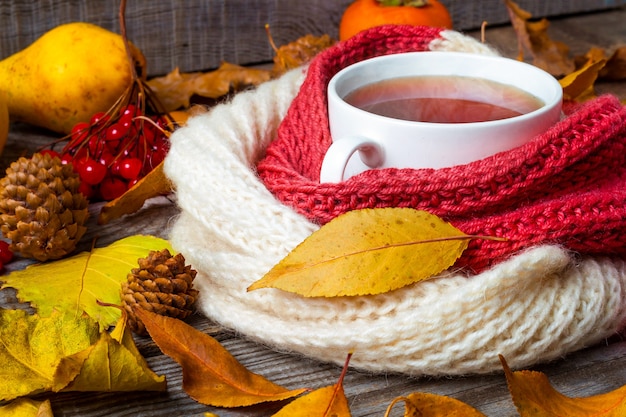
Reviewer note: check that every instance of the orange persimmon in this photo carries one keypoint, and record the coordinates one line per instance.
(365, 14)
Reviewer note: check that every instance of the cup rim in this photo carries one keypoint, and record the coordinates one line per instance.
(548, 106)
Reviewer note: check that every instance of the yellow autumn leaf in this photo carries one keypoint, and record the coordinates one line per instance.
(75, 284)
(31, 348)
(25, 407)
(113, 363)
(582, 80)
(424, 404)
(318, 403)
(534, 396)
(369, 251)
(327, 401)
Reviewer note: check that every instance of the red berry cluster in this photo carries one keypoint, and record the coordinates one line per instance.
(6, 254)
(112, 152)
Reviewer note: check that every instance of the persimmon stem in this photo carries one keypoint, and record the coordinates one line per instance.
(397, 3)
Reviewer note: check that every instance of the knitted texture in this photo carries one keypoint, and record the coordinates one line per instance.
(566, 186)
(537, 305)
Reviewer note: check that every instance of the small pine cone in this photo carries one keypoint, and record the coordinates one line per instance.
(41, 209)
(162, 284)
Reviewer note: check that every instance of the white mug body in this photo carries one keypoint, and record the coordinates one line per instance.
(373, 141)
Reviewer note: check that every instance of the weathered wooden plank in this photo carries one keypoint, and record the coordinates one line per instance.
(198, 35)
(595, 370)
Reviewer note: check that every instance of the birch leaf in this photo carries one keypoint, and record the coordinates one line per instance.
(369, 251)
(422, 404)
(211, 375)
(534, 396)
(75, 284)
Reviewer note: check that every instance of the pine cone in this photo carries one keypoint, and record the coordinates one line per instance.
(162, 284)
(41, 209)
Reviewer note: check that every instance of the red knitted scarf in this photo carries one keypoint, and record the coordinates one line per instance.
(567, 186)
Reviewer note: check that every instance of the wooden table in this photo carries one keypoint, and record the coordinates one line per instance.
(595, 370)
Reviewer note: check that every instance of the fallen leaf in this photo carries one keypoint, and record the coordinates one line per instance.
(113, 363)
(31, 348)
(534, 396)
(579, 84)
(152, 185)
(328, 401)
(175, 89)
(421, 404)
(615, 68)
(75, 284)
(299, 52)
(211, 375)
(316, 404)
(547, 54)
(369, 251)
(25, 407)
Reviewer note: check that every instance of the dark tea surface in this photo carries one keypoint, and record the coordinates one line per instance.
(443, 99)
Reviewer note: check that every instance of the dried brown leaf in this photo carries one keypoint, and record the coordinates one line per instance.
(154, 184)
(299, 52)
(176, 89)
(552, 56)
(211, 375)
(615, 68)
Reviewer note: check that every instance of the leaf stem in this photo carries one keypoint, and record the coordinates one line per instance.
(338, 385)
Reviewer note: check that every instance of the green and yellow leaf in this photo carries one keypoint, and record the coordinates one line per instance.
(75, 284)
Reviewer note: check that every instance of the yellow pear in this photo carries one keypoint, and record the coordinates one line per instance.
(68, 74)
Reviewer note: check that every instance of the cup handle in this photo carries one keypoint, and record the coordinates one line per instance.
(340, 151)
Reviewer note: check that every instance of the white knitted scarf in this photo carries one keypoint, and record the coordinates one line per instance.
(534, 307)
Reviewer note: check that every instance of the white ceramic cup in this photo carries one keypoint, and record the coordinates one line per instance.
(364, 140)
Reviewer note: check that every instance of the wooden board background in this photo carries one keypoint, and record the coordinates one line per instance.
(598, 369)
(198, 35)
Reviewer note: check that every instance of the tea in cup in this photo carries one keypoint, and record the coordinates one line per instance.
(433, 110)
